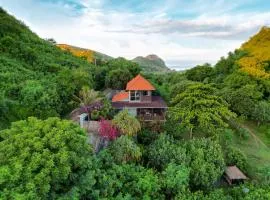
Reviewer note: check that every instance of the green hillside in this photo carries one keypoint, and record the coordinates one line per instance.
(36, 77)
(217, 117)
(151, 63)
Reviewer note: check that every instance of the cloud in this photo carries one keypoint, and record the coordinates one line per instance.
(223, 27)
(183, 33)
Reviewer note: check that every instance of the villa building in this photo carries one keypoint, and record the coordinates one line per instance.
(139, 100)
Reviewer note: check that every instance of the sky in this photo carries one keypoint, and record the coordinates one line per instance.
(184, 33)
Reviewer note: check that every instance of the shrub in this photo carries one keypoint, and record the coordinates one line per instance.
(226, 136)
(235, 156)
(124, 150)
(165, 150)
(146, 136)
(156, 126)
(244, 133)
(107, 130)
(207, 163)
(95, 115)
(127, 124)
(174, 179)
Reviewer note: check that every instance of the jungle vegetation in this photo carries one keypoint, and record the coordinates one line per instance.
(219, 115)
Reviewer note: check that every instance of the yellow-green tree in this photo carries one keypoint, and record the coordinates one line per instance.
(199, 107)
(88, 54)
(257, 62)
(127, 124)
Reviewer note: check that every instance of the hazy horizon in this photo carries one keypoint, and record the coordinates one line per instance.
(182, 33)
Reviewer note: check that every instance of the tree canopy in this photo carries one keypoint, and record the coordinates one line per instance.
(200, 72)
(206, 162)
(198, 106)
(43, 159)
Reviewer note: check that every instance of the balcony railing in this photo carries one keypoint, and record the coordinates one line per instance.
(151, 117)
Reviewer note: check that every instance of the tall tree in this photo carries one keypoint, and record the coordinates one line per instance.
(199, 107)
(118, 78)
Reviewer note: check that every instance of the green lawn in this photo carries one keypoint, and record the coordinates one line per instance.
(257, 149)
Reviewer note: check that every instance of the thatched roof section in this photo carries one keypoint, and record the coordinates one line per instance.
(234, 173)
(75, 114)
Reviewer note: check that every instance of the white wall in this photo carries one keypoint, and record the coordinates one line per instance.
(132, 111)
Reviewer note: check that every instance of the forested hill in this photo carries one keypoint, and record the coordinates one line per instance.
(257, 61)
(39, 79)
(88, 54)
(36, 77)
(183, 157)
(151, 63)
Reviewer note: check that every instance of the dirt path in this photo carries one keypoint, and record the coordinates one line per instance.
(257, 139)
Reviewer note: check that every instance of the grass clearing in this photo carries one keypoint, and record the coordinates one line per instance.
(257, 149)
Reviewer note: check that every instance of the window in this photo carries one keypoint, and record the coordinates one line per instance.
(134, 96)
(145, 93)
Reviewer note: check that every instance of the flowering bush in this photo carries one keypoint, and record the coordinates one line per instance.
(107, 130)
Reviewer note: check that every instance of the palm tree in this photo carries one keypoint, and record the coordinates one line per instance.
(87, 97)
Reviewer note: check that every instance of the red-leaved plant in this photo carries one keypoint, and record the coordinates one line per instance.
(107, 130)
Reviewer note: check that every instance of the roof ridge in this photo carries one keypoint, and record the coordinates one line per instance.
(134, 80)
(139, 83)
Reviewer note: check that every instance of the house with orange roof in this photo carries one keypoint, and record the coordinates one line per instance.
(138, 98)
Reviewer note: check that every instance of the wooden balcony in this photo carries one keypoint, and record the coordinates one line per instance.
(151, 114)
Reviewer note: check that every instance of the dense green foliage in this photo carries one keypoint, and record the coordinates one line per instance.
(163, 151)
(49, 158)
(127, 181)
(235, 156)
(117, 79)
(124, 150)
(43, 159)
(200, 73)
(37, 78)
(207, 164)
(175, 179)
(198, 106)
(114, 73)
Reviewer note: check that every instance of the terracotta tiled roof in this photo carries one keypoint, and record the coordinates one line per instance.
(157, 102)
(120, 96)
(139, 83)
